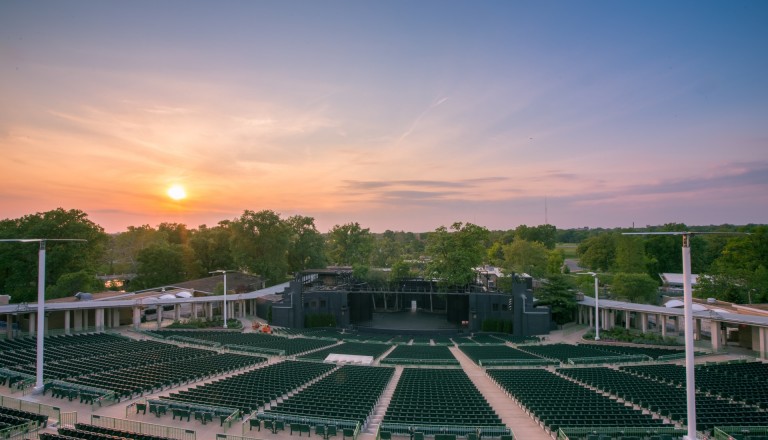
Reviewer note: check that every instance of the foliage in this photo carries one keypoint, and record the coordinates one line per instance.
(555, 261)
(635, 287)
(455, 253)
(544, 234)
(159, 264)
(70, 283)
(630, 254)
(522, 256)
(306, 248)
(19, 261)
(211, 247)
(497, 325)
(598, 253)
(349, 245)
(260, 243)
(319, 320)
(557, 293)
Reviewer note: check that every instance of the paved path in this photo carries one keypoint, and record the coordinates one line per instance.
(522, 425)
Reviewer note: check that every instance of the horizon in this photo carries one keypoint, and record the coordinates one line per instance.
(396, 115)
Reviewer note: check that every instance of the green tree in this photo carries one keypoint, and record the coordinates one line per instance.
(159, 264)
(349, 245)
(544, 234)
(630, 254)
(125, 247)
(555, 261)
(260, 243)
(635, 287)
(306, 248)
(598, 252)
(18, 261)
(557, 293)
(455, 253)
(211, 247)
(495, 254)
(523, 256)
(70, 283)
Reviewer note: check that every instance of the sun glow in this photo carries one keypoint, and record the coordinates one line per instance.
(177, 192)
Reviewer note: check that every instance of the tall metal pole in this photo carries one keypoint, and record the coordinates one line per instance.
(225, 299)
(40, 317)
(597, 313)
(690, 381)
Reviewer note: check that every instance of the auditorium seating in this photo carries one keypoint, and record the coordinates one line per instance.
(252, 389)
(421, 354)
(490, 354)
(271, 343)
(560, 403)
(444, 397)
(349, 393)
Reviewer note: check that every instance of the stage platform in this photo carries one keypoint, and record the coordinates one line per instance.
(409, 323)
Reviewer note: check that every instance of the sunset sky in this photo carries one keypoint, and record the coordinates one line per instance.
(402, 115)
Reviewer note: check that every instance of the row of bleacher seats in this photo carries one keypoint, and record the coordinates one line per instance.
(439, 397)
(348, 393)
(253, 389)
(39, 419)
(92, 344)
(291, 346)
(560, 403)
(133, 381)
(84, 427)
(479, 353)
(374, 350)
(563, 352)
(137, 353)
(428, 354)
(652, 352)
(751, 390)
(667, 399)
(484, 338)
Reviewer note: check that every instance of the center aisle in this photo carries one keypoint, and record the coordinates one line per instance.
(521, 424)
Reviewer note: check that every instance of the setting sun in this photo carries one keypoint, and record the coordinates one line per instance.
(177, 192)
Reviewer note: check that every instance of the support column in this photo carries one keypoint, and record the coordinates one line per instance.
(159, 316)
(8, 326)
(115, 317)
(715, 332)
(696, 329)
(98, 317)
(177, 312)
(663, 323)
(32, 320)
(136, 318)
(627, 319)
(85, 319)
(78, 319)
(763, 341)
(643, 322)
(194, 310)
(209, 310)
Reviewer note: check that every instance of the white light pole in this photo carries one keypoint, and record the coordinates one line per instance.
(597, 303)
(39, 385)
(690, 381)
(223, 272)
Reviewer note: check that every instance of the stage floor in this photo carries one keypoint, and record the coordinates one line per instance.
(408, 321)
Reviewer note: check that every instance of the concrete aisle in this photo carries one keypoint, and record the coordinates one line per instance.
(522, 425)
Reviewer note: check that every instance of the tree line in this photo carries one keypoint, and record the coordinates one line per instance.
(274, 247)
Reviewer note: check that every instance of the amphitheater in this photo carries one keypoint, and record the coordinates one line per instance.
(150, 384)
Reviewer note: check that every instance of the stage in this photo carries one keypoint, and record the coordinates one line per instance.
(409, 322)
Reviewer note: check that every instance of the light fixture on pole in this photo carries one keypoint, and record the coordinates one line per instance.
(597, 303)
(40, 301)
(223, 272)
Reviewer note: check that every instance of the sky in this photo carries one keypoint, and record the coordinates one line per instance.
(400, 115)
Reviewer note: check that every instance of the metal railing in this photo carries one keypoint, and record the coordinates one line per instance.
(612, 432)
(610, 359)
(143, 428)
(738, 432)
(403, 429)
(52, 412)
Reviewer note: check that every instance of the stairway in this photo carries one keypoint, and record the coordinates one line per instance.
(374, 420)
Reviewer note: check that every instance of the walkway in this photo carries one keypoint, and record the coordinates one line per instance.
(523, 426)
